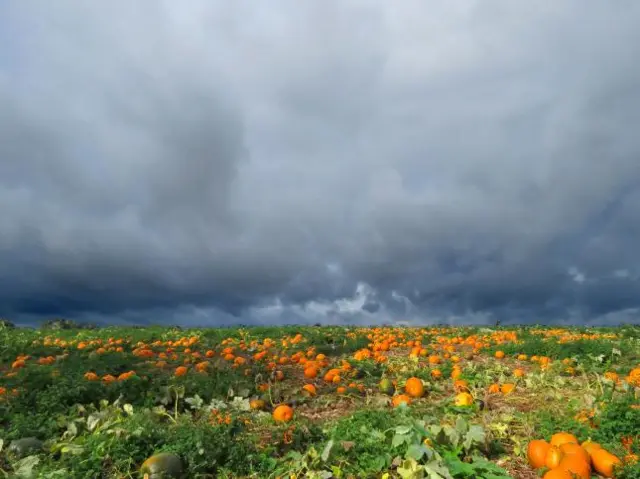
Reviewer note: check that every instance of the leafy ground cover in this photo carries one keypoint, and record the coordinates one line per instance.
(319, 402)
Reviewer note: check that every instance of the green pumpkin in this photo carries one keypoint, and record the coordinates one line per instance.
(20, 448)
(386, 387)
(162, 466)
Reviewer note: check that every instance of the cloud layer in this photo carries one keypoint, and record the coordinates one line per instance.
(335, 161)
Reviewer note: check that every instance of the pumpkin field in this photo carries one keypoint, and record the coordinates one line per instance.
(320, 402)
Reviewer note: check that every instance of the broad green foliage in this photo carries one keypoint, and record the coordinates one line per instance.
(84, 402)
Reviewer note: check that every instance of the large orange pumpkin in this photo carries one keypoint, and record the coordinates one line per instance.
(557, 473)
(537, 453)
(576, 465)
(604, 462)
(590, 447)
(414, 387)
(560, 438)
(283, 413)
(573, 449)
(553, 457)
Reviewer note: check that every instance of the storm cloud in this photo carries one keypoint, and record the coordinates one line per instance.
(336, 161)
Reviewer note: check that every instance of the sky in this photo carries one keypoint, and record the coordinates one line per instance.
(327, 161)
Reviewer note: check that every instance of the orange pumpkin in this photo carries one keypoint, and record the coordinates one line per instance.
(507, 388)
(537, 453)
(309, 389)
(560, 438)
(310, 373)
(590, 447)
(553, 457)
(573, 449)
(400, 399)
(414, 387)
(557, 473)
(604, 462)
(576, 465)
(461, 385)
(283, 413)
(328, 377)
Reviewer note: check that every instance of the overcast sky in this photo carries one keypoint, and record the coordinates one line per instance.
(217, 162)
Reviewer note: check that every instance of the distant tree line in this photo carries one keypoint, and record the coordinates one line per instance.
(54, 323)
(63, 323)
(6, 324)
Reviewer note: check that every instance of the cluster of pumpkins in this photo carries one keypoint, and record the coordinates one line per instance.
(566, 458)
(414, 389)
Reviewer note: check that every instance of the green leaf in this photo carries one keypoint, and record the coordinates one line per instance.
(93, 420)
(72, 429)
(410, 469)
(326, 451)
(419, 426)
(453, 436)
(72, 449)
(457, 467)
(379, 463)
(399, 439)
(24, 467)
(437, 470)
(403, 429)
(416, 451)
(461, 425)
(474, 437)
(294, 455)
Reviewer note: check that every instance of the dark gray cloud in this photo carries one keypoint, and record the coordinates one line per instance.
(336, 161)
